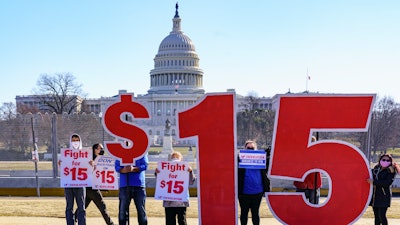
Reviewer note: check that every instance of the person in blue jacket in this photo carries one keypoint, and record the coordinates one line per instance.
(252, 185)
(132, 185)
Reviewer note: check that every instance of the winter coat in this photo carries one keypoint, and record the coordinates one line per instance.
(265, 180)
(309, 182)
(383, 179)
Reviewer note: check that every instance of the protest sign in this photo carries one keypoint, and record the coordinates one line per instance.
(252, 159)
(75, 170)
(104, 175)
(172, 181)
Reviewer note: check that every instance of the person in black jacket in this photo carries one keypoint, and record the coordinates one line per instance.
(383, 176)
(95, 195)
(252, 184)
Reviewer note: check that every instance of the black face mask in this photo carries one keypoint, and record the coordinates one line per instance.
(250, 148)
(101, 152)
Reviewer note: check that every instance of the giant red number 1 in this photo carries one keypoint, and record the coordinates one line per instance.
(212, 121)
(294, 155)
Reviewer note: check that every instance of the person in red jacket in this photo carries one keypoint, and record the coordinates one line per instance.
(311, 185)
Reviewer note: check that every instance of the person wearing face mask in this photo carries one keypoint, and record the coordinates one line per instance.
(76, 193)
(177, 209)
(382, 178)
(95, 195)
(252, 184)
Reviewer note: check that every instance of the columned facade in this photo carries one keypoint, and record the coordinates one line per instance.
(176, 83)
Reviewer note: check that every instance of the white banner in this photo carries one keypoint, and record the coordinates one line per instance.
(75, 170)
(172, 181)
(104, 175)
(252, 159)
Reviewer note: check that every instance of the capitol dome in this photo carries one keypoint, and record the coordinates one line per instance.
(176, 65)
(176, 41)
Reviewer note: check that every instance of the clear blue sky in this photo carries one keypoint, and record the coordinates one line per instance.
(263, 46)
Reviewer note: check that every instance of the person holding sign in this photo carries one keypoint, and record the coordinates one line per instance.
(252, 184)
(311, 185)
(176, 209)
(132, 185)
(75, 193)
(95, 195)
(382, 178)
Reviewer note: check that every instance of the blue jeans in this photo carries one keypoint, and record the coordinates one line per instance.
(77, 194)
(139, 197)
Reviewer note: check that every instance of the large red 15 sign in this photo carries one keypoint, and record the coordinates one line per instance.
(294, 155)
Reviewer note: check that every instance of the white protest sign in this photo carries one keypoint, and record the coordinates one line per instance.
(172, 181)
(75, 170)
(104, 175)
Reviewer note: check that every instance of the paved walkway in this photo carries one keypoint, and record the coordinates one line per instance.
(152, 221)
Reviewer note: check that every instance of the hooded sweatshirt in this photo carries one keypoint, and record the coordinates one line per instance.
(71, 144)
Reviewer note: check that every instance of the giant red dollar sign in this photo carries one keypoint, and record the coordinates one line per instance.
(115, 125)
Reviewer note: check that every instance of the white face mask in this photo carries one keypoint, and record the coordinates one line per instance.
(175, 160)
(75, 144)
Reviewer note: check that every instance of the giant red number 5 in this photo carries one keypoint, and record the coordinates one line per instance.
(212, 121)
(293, 156)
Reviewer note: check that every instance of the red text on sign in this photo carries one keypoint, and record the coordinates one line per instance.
(172, 167)
(76, 154)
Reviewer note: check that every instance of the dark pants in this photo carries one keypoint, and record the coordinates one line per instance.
(97, 198)
(250, 202)
(172, 212)
(139, 197)
(311, 195)
(77, 194)
(380, 215)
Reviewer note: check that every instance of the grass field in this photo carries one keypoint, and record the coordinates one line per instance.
(55, 207)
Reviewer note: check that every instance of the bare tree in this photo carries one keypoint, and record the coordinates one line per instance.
(59, 93)
(8, 111)
(254, 122)
(384, 126)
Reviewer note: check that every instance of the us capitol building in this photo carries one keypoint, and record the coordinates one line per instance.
(176, 83)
